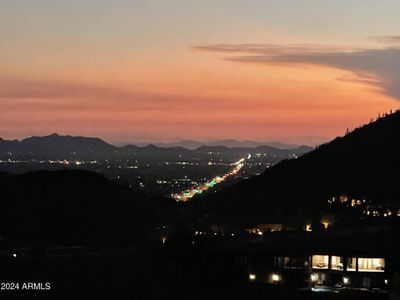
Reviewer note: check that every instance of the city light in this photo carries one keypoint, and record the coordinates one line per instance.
(198, 189)
(252, 277)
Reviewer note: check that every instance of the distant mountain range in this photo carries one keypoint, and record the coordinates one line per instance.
(363, 163)
(87, 148)
(189, 144)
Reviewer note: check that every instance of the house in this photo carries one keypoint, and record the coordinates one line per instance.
(312, 260)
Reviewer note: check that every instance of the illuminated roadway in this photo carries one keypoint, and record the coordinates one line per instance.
(198, 189)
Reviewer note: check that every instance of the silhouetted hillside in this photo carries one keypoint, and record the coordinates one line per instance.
(365, 162)
(55, 147)
(75, 207)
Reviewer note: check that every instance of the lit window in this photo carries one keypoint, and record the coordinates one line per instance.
(337, 263)
(320, 261)
(371, 264)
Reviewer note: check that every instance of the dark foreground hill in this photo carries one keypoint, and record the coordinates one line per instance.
(76, 207)
(364, 163)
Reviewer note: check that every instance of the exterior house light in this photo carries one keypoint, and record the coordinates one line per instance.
(275, 278)
(313, 277)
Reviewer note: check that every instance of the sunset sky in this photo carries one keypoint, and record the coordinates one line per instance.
(166, 70)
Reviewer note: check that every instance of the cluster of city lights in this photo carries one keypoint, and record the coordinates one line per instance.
(198, 189)
(63, 162)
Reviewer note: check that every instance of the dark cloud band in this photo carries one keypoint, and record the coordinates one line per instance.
(376, 66)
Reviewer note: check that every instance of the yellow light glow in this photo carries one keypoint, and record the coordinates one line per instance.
(313, 277)
(275, 277)
(252, 277)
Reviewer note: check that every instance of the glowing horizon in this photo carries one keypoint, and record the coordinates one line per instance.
(169, 71)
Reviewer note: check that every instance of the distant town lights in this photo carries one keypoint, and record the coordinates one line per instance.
(198, 189)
